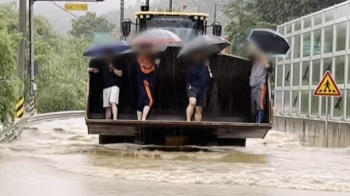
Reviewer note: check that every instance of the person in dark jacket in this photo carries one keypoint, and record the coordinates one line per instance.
(145, 76)
(261, 67)
(198, 77)
(111, 73)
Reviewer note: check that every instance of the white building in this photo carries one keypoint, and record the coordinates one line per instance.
(319, 42)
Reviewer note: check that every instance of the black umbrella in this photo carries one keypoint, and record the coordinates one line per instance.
(270, 42)
(208, 44)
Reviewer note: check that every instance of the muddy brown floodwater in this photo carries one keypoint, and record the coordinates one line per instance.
(59, 158)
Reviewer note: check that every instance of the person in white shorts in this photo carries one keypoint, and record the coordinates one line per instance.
(111, 79)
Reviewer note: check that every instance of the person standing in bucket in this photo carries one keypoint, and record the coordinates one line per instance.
(145, 77)
(258, 86)
(111, 80)
(198, 77)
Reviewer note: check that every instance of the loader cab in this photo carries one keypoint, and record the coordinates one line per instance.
(185, 25)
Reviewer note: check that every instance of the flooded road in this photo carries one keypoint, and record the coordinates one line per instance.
(59, 158)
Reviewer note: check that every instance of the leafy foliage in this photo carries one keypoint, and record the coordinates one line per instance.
(9, 83)
(243, 19)
(62, 71)
(289, 10)
(62, 82)
(248, 14)
(86, 25)
(62, 74)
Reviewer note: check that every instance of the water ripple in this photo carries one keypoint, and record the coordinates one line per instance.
(277, 161)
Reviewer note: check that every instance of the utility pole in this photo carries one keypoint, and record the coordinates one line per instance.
(31, 57)
(215, 11)
(21, 61)
(223, 3)
(199, 5)
(171, 5)
(33, 86)
(121, 17)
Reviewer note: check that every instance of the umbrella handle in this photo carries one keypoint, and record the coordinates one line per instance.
(210, 73)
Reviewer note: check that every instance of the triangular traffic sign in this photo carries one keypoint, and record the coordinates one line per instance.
(327, 87)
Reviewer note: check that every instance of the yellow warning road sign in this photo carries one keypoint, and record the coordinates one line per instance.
(76, 7)
(327, 87)
(20, 107)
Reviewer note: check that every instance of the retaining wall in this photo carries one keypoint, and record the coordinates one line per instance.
(312, 131)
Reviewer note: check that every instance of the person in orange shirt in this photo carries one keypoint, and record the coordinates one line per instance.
(145, 77)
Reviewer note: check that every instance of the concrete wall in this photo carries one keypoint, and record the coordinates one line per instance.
(312, 131)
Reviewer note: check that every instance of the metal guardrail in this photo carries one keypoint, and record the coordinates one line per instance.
(11, 132)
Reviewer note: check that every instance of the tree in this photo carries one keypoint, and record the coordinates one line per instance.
(86, 25)
(246, 15)
(243, 19)
(9, 82)
(62, 83)
(289, 10)
(62, 72)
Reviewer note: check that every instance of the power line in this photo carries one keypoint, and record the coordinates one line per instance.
(61, 8)
(198, 5)
(207, 8)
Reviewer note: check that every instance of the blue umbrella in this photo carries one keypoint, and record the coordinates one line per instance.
(99, 49)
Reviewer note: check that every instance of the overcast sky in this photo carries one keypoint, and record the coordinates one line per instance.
(61, 20)
(100, 7)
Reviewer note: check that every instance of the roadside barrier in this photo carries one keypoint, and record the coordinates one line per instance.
(11, 132)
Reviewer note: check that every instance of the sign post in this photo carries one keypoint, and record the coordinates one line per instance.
(327, 88)
(76, 7)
